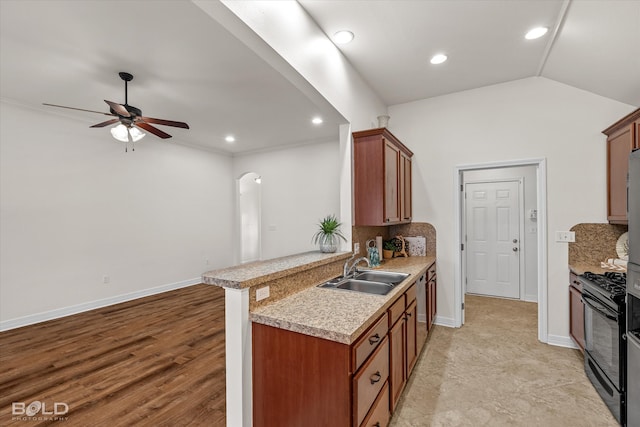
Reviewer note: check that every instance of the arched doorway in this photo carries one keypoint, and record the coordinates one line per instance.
(249, 201)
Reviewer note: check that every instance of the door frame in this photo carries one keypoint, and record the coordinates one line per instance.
(521, 214)
(541, 196)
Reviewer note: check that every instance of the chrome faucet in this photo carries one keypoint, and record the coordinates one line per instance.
(346, 271)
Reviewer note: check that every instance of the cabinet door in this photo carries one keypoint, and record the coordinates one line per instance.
(412, 328)
(405, 187)
(576, 316)
(636, 134)
(397, 375)
(619, 145)
(431, 302)
(391, 183)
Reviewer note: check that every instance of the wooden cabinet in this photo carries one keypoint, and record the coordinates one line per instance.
(402, 342)
(300, 380)
(382, 178)
(622, 138)
(431, 291)
(576, 311)
(405, 187)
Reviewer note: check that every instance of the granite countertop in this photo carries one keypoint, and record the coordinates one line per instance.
(255, 273)
(336, 315)
(582, 267)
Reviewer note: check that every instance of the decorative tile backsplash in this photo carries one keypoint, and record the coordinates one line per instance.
(594, 243)
(360, 234)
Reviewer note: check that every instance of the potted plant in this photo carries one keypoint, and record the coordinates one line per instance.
(388, 247)
(328, 234)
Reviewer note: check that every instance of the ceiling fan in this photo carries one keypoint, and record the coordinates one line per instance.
(130, 118)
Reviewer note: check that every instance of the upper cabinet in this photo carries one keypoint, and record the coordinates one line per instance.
(622, 137)
(382, 178)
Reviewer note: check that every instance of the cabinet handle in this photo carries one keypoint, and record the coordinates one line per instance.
(377, 424)
(375, 377)
(408, 315)
(374, 339)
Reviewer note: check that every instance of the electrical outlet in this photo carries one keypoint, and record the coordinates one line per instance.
(356, 248)
(262, 293)
(106, 280)
(565, 236)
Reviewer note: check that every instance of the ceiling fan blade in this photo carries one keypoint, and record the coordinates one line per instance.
(78, 109)
(153, 130)
(118, 108)
(164, 122)
(107, 123)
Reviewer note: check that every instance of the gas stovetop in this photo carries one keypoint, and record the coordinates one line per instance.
(611, 285)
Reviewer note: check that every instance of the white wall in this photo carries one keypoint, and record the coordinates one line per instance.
(529, 243)
(300, 186)
(287, 28)
(523, 119)
(76, 207)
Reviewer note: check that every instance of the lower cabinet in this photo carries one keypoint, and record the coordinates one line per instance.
(576, 311)
(403, 342)
(300, 380)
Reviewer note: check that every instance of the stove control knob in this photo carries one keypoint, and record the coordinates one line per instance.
(515, 240)
(515, 249)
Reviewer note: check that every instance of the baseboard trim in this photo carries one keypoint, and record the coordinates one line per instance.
(445, 321)
(19, 322)
(561, 341)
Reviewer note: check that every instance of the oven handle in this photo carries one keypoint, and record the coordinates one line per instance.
(600, 309)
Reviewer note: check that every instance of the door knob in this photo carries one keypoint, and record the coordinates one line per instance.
(515, 249)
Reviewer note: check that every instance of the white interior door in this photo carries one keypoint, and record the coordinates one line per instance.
(492, 224)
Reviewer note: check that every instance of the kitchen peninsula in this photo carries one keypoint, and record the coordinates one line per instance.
(300, 329)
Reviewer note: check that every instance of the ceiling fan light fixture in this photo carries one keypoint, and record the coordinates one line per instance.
(136, 134)
(121, 133)
(536, 33)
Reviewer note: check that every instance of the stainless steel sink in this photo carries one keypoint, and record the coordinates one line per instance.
(382, 276)
(365, 286)
(357, 285)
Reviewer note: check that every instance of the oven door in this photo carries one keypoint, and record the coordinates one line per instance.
(602, 337)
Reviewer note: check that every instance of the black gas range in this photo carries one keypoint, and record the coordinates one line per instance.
(605, 337)
(611, 286)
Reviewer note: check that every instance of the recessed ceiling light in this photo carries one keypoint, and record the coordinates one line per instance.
(438, 59)
(230, 139)
(536, 33)
(316, 120)
(343, 37)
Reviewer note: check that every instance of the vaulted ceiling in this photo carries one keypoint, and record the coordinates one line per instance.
(187, 67)
(593, 45)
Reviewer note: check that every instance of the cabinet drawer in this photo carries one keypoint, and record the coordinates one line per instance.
(411, 295)
(369, 341)
(379, 414)
(369, 381)
(396, 311)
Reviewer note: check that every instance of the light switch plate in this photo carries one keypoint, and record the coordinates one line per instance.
(262, 293)
(565, 236)
(356, 248)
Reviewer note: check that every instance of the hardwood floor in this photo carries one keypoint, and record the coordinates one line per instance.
(154, 361)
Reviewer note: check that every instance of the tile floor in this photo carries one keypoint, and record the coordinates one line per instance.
(494, 372)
